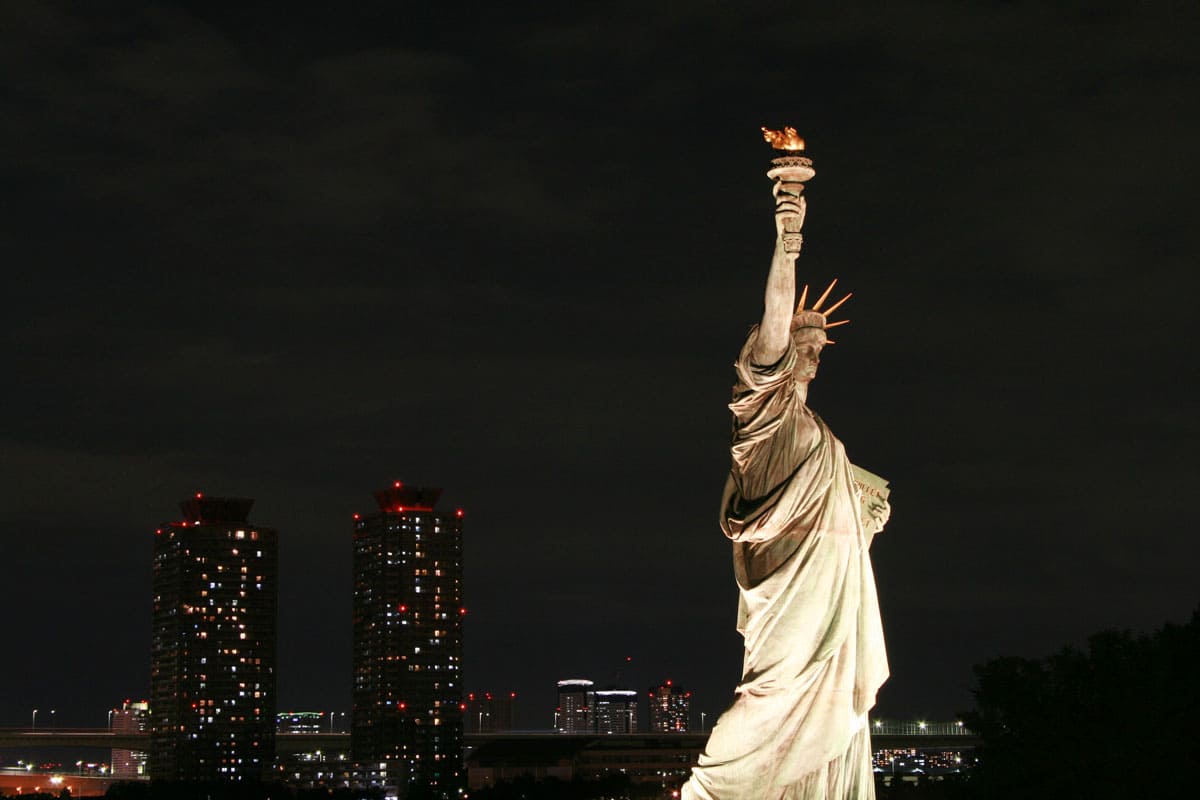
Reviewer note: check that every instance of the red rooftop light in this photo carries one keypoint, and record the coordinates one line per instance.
(397, 484)
(199, 495)
(458, 513)
(357, 517)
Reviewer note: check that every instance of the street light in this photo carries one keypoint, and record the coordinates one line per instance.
(702, 715)
(33, 725)
(110, 719)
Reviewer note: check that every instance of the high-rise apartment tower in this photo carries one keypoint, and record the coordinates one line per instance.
(212, 669)
(407, 723)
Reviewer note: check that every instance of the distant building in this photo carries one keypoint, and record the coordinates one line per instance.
(307, 765)
(489, 712)
(212, 670)
(576, 698)
(129, 718)
(616, 711)
(669, 708)
(300, 722)
(407, 722)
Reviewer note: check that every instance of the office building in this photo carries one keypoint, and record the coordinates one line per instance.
(669, 708)
(616, 711)
(212, 671)
(307, 760)
(576, 698)
(489, 712)
(131, 717)
(302, 722)
(407, 721)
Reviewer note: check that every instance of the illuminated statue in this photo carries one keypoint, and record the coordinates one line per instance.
(801, 528)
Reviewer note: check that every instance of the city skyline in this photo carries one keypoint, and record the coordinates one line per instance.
(514, 253)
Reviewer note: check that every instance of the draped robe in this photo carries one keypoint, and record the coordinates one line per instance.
(807, 610)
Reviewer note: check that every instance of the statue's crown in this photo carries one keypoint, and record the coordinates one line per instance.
(815, 317)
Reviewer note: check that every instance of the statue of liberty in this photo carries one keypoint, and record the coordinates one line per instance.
(801, 529)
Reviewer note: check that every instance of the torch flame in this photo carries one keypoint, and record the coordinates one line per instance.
(786, 139)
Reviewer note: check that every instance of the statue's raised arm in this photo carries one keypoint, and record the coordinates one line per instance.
(780, 299)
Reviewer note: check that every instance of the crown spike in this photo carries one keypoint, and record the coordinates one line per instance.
(817, 305)
(803, 297)
(829, 325)
(834, 307)
(829, 341)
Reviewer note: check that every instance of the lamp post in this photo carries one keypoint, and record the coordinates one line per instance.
(33, 725)
(702, 715)
(110, 719)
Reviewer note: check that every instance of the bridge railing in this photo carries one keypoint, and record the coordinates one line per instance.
(904, 727)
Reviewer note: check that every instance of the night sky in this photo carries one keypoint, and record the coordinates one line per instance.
(297, 255)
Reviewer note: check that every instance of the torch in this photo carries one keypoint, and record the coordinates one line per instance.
(791, 170)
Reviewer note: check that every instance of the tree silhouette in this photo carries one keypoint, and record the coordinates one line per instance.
(1115, 720)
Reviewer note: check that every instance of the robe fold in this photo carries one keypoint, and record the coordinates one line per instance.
(807, 610)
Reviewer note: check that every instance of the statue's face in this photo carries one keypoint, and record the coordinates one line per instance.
(809, 344)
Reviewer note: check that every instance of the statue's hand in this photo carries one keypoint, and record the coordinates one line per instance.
(790, 209)
(879, 512)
